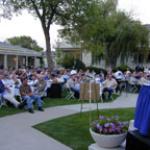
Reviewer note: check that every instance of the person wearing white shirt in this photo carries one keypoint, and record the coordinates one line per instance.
(17, 83)
(9, 90)
(109, 85)
(33, 83)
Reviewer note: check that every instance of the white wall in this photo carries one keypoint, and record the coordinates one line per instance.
(87, 58)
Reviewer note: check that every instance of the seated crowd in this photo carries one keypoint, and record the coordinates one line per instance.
(31, 85)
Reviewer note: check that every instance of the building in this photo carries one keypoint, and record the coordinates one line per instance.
(17, 57)
(74, 50)
(90, 60)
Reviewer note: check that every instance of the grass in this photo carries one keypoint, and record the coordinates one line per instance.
(74, 130)
(114, 96)
(6, 110)
(48, 102)
(9, 110)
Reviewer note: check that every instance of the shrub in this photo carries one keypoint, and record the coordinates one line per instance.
(79, 65)
(122, 68)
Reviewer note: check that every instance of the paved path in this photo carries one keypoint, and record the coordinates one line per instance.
(124, 101)
(16, 132)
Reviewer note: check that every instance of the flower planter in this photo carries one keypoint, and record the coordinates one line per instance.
(108, 141)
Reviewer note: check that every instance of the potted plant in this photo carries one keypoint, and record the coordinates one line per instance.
(109, 132)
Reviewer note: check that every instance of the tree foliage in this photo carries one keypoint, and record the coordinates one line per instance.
(67, 61)
(5, 9)
(96, 25)
(48, 12)
(99, 27)
(26, 42)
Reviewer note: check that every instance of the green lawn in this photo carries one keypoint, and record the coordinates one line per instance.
(9, 110)
(48, 102)
(74, 130)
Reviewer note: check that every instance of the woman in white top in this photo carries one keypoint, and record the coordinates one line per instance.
(9, 90)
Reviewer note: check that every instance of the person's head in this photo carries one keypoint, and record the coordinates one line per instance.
(53, 75)
(6, 75)
(40, 77)
(34, 77)
(109, 76)
(14, 76)
(73, 72)
(25, 81)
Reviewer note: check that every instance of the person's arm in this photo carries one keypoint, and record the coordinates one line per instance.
(22, 92)
(29, 91)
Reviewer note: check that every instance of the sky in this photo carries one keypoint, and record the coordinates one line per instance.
(28, 25)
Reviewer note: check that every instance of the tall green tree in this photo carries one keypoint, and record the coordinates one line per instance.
(26, 42)
(127, 38)
(48, 12)
(102, 29)
(88, 26)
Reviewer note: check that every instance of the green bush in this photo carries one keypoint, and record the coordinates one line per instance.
(67, 61)
(122, 68)
(79, 65)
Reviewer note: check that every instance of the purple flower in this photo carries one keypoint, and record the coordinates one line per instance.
(106, 125)
(100, 129)
(101, 117)
(97, 126)
(109, 125)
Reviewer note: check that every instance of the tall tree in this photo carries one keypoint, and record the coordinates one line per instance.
(102, 29)
(26, 42)
(48, 12)
(87, 26)
(126, 38)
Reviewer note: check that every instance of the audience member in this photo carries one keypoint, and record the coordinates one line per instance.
(8, 93)
(29, 97)
(109, 85)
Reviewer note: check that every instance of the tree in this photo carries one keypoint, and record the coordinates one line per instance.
(5, 9)
(88, 27)
(105, 31)
(125, 38)
(26, 42)
(48, 12)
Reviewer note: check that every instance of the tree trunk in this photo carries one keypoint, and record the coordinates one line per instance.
(110, 57)
(48, 50)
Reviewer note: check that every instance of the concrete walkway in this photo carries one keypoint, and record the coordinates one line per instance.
(123, 101)
(16, 132)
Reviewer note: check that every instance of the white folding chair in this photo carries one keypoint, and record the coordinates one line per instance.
(70, 94)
